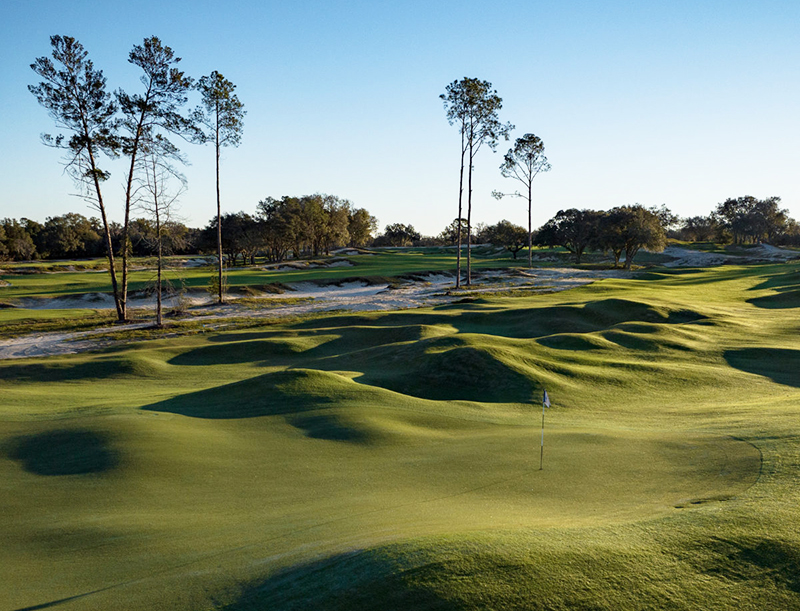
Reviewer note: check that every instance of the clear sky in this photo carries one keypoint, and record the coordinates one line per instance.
(683, 103)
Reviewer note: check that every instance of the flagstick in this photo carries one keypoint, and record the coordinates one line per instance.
(541, 453)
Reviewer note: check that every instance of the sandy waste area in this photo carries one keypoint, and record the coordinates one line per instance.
(301, 298)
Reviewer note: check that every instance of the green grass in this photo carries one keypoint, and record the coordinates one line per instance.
(391, 460)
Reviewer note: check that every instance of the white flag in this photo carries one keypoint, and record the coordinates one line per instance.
(546, 400)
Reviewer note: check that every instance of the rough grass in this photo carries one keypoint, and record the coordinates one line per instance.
(391, 460)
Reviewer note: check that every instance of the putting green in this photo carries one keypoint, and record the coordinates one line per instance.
(163, 499)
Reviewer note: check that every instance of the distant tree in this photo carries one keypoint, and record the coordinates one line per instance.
(699, 229)
(508, 235)
(472, 105)
(360, 226)
(575, 230)
(3, 248)
(243, 236)
(149, 119)
(19, 245)
(398, 234)
(222, 115)
(278, 226)
(609, 235)
(637, 228)
(669, 220)
(336, 231)
(523, 162)
(75, 95)
(748, 219)
(767, 220)
(450, 234)
(36, 231)
(69, 235)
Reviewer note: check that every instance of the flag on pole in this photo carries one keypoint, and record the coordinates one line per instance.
(545, 403)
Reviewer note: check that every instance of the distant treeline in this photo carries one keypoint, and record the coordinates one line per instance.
(311, 225)
(280, 228)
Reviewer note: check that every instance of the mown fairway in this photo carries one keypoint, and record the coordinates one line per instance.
(390, 461)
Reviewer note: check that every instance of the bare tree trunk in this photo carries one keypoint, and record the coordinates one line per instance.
(530, 229)
(107, 235)
(469, 218)
(159, 318)
(460, 203)
(219, 210)
(123, 297)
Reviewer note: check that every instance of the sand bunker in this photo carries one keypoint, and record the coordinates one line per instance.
(303, 298)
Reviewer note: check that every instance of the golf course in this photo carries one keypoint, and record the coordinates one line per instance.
(391, 459)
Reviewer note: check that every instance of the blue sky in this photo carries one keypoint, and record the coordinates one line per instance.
(680, 103)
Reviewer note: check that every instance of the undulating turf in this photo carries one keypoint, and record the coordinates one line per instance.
(391, 460)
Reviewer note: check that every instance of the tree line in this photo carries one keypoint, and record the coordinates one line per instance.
(309, 225)
(312, 225)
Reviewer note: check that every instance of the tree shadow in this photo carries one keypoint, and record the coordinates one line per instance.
(779, 364)
(64, 452)
(364, 580)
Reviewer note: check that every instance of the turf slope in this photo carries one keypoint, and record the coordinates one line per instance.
(391, 460)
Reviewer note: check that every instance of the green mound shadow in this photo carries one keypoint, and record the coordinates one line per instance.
(356, 580)
(752, 560)
(56, 371)
(631, 341)
(64, 452)
(572, 341)
(454, 373)
(780, 282)
(330, 427)
(247, 351)
(779, 364)
(778, 301)
(281, 392)
(526, 323)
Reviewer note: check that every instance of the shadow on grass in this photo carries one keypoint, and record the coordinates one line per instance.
(330, 427)
(519, 322)
(438, 371)
(354, 581)
(64, 452)
(65, 372)
(769, 560)
(281, 392)
(235, 351)
(778, 364)
(787, 291)
(778, 301)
